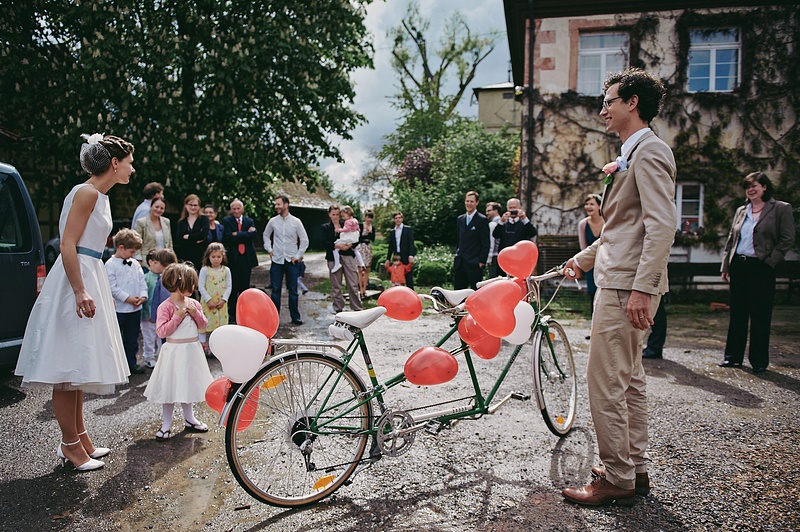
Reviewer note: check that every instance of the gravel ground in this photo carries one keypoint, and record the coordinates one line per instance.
(723, 449)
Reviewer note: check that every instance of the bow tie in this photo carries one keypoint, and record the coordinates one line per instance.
(127, 262)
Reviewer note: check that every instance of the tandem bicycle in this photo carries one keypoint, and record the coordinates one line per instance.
(300, 428)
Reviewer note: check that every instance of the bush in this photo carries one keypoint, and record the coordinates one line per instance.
(434, 266)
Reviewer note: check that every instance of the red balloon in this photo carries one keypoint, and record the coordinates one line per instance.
(217, 393)
(254, 309)
(470, 331)
(248, 411)
(401, 303)
(430, 365)
(493, 306)
(487, 347)
(520, 259)
(523, 288)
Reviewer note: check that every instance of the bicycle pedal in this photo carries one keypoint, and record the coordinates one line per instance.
(520, 396)
(433, 427)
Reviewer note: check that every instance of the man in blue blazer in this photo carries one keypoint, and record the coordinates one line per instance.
(240, 233)
(472, 244)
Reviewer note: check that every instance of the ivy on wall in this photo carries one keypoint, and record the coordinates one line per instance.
(721, 136)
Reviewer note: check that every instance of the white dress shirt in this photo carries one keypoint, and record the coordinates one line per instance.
(125, 281)
(285, 238)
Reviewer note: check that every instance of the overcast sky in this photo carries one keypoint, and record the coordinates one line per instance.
(374, 87)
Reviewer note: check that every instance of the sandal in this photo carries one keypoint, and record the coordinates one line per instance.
(195, 427)
(163, 435)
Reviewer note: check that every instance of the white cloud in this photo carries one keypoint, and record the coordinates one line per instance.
(374, 87)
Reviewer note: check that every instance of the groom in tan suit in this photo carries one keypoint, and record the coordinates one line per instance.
(630, 270)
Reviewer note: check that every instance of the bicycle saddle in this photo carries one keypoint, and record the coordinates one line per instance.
(361, 318)
(450, 297)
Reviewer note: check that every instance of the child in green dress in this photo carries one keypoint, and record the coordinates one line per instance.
(215, 289)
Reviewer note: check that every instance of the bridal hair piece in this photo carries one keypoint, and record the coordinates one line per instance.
(95, 158)
(98, 151)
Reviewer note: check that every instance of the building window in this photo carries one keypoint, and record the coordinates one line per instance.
(689, 201)
(599, 54)
(714, 60)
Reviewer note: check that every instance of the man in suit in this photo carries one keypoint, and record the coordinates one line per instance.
(347, 259)
(514, 226)
(401, 242)
(472, 244)
(240, 233)
(630, 270)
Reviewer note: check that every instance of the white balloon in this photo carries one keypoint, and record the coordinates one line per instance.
(525, 316)
(240, 349)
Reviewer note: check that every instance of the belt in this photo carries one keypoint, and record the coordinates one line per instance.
(89, 252)
(745, 258)
(182, 340)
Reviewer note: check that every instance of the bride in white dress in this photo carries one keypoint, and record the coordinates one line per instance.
(72, 340)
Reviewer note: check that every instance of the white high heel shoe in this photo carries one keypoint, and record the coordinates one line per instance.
(91, 465)
(99, 452)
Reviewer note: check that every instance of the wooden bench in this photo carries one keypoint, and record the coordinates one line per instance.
(682, 275)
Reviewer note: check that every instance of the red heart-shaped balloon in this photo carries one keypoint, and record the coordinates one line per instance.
(254, 309)
(401, 303)
(520, 259)
(470, 331)
(493, 305)
(487, 347)
(430, 365)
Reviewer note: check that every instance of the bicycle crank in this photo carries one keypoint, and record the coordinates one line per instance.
(396, 432)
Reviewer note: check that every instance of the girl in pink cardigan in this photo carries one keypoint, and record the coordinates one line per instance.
(181, 374)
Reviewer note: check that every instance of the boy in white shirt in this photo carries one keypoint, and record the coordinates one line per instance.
(129, 290)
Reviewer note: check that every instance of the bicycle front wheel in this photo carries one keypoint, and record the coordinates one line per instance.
(554, 378)
(296, 431)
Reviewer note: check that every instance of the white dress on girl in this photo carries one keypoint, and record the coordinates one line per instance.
(181, 374)
(60, 348)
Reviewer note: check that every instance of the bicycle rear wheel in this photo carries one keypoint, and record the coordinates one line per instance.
(296, 432)
(554, 377)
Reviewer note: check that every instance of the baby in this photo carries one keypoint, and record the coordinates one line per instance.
(349, 234)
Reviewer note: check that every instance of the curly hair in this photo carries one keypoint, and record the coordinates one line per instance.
(646, 86)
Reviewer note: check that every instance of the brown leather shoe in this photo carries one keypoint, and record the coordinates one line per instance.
(600, 492)
(642, 479)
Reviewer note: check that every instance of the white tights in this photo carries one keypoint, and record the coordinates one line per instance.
(166, 415)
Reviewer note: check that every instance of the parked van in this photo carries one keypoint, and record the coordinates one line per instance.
(22, 269)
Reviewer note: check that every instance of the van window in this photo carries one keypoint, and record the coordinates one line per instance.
(15, 230)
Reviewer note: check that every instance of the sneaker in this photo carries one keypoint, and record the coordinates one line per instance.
(336, 268)
(150, 364)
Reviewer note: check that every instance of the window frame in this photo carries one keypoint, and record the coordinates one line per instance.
(603, 53)
(679, 201)
(713, 48)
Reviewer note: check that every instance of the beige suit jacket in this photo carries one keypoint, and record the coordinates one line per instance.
(639, 208)
(144, 226)
(773, 234)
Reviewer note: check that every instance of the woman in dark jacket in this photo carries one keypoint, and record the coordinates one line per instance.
(192, 238)
(763, 231)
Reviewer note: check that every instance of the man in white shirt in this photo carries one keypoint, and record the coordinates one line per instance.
(151, 191)
(286, 240)
(493, 215)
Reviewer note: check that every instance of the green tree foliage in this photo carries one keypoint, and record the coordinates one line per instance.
(219, 97)
(467, 158)
(422, 72)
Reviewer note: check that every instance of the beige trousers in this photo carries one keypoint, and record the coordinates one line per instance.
(617, 390)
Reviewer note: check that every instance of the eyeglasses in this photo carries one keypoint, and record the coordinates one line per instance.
(607, 103)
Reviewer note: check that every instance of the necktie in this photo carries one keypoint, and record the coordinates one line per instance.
(241, 246)
(469, 219)
(126, 262)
